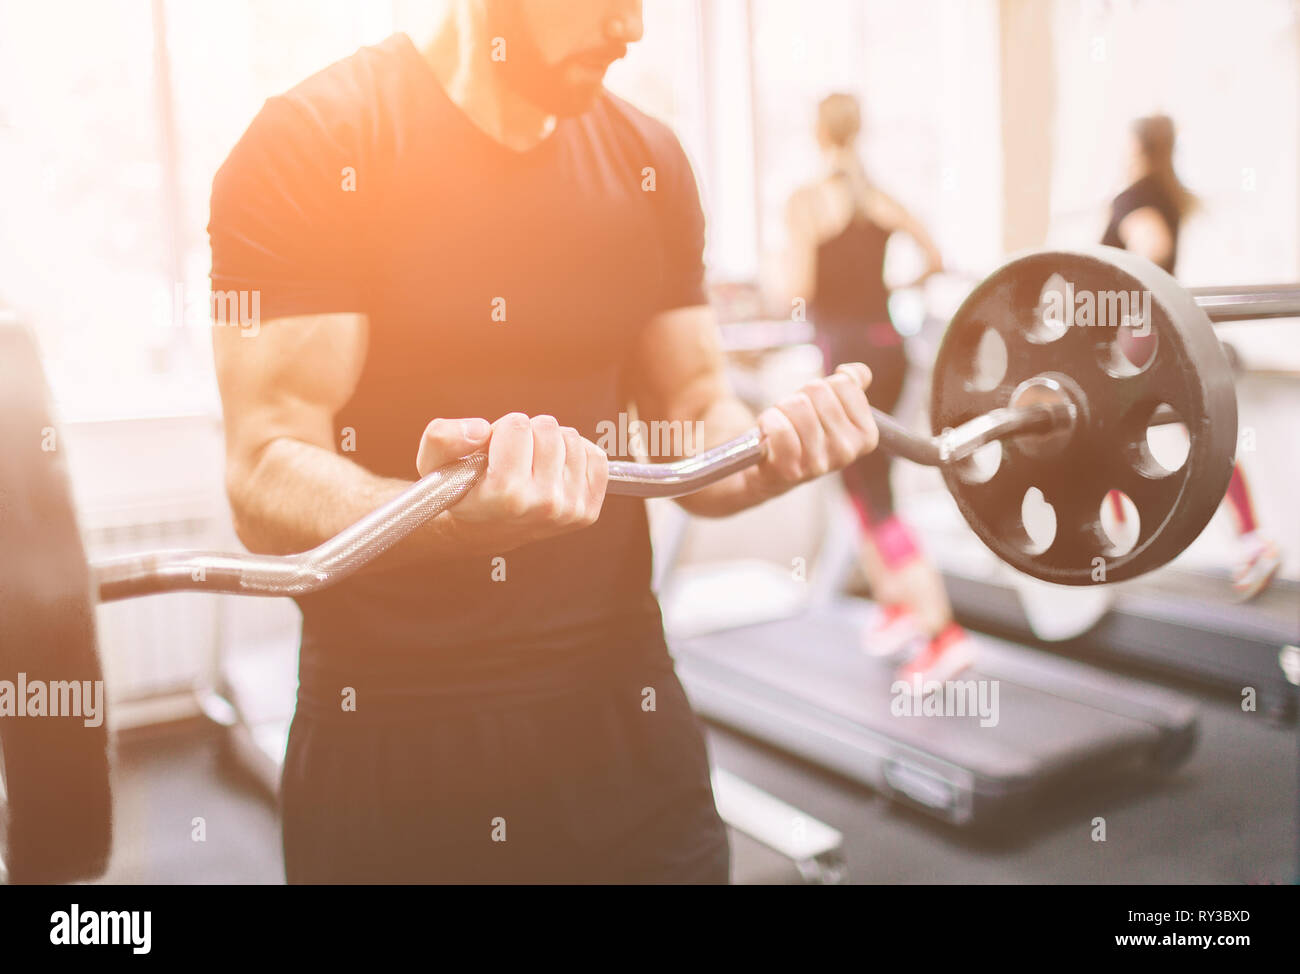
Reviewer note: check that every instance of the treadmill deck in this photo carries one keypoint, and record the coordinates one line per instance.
(801, 684)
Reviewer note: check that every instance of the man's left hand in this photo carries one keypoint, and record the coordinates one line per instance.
(824, 426)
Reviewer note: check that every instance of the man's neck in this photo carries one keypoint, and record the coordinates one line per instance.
(460, 54)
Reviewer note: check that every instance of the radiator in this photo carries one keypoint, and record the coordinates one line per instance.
(160, 644)
(142, 484)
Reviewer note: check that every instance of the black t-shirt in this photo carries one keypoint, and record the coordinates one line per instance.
(1147, 191)
(366, 189)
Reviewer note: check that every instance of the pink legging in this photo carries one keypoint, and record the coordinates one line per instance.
(890, 536)
(1237, 497)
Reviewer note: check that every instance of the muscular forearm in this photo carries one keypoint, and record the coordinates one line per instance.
(723, 419)
(297, 495)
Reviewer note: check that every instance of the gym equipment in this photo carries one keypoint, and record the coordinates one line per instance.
(803, 685)
(1054, 613)
(1175, 622)
(815, 848)
(1249, 302)
(1086, 364)
(1063, 401)
(55, 768)
(59, 829)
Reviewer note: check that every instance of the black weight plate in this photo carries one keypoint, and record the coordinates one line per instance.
(56, 768)
(1108, 449)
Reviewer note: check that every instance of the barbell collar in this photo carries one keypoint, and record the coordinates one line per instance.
(961, 441)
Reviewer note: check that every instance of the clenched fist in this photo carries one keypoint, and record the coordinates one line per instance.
(824, 426)
(542, 478)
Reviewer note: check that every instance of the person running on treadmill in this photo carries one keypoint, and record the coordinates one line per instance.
(838, 227)
(1145, 218)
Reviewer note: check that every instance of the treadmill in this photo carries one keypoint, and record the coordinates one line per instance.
(1173, 620)
(801, 684)
(779, 661)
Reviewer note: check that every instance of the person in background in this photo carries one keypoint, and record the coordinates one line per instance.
(838, 227)
(1145, 218)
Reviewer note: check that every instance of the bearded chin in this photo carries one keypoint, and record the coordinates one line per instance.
(524, 70)
(546, 85)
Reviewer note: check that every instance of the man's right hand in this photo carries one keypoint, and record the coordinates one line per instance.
(542, 479)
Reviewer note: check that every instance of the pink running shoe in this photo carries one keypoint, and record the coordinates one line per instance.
(942, 658)
(1260, 559)
(892, 634)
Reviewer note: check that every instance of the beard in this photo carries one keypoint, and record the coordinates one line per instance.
(565, 87)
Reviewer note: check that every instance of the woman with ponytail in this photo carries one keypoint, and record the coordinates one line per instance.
(1145, 218)
(838, 226)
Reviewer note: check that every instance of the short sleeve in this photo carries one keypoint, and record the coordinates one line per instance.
(681, 218)
(286, 214)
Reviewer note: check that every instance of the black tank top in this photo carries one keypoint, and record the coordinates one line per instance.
(849, 287)
(1147, 191)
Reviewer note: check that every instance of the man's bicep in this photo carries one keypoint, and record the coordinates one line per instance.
(678, 370)
(287, 379)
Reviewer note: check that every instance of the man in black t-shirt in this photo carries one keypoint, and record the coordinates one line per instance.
(474, 246)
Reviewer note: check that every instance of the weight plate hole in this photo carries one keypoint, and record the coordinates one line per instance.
(980, 466)
(1131, 348)
(1167, 443)
(1120, 523)
(1052, 315)
(1161, 442)
(988, 363)
(1039, 519)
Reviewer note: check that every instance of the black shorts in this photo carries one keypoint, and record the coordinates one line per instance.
(595, 775)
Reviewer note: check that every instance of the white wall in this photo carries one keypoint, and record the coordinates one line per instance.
(1229, 76)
